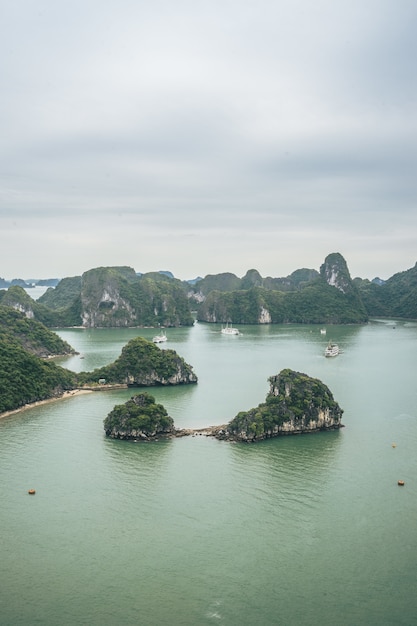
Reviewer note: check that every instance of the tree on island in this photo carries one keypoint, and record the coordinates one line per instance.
(138, 418)
(296, 403)
(142, 363)
(26, 378)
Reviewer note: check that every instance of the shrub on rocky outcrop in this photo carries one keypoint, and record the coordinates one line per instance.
(138, 418)
(296, 403)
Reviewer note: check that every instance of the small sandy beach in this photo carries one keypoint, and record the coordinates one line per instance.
(66, 394)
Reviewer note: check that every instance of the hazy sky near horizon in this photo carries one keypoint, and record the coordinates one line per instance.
(203, 136)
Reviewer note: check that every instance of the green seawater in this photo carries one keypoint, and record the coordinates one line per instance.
(296, 531)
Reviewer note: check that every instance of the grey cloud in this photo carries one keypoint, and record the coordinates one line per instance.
(272, 126)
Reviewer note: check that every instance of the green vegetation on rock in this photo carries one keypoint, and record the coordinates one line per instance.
(63, 295)
(24, 376)
(305, 297)
(225, 281)
(118, 297)
(296, 403)
(27, 378)
(396, 297)
(138, 418)
(31, 334)
(17, 298)
(142, 363)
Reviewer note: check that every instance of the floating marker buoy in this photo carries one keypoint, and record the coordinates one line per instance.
(31, 492)
(401, 483)
(394, 445)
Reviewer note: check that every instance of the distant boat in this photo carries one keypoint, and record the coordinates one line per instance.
(160, 338)
(228, 330)
(323, 331)
(332, 349)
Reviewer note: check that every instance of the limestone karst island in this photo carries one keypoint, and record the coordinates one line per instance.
(295, 404)
(120, 297)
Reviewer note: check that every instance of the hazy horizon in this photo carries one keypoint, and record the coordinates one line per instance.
(190, 278)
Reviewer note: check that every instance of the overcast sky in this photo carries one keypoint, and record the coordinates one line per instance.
(203, 136)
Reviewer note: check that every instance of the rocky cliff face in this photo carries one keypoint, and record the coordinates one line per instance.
(296, 404)
(101, 301)
(109, 309)
(264, 316)
(305, 297)
(143, 364)
(324, 420)
(17, 298)
(335, 272)
(114, 296)
(138, 434)
(182, 375)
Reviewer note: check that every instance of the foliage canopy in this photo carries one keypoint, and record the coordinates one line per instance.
(140, 414)
(293, 396)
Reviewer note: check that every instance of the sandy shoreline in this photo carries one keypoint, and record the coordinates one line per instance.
(66, 394)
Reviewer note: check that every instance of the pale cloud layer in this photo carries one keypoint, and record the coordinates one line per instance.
(203, 137)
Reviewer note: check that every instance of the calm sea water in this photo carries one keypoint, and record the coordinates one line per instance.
(307, 530)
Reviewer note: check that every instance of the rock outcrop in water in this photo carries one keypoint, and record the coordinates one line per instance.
(143, 364)
(295, 404)
(140, 418)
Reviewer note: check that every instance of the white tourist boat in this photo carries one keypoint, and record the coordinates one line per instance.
(323, 331)
(160, 338)
(332, 349)
(229, 330)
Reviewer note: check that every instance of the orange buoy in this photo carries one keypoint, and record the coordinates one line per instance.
(31, 492)
(401, 483)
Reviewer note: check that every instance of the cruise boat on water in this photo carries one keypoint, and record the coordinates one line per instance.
(228, 330)
(160, 338)
(332, 349)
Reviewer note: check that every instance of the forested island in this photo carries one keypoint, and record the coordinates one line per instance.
(296, 404)
(142, 364)
(120, 297)
(28, 375)
(140, 418)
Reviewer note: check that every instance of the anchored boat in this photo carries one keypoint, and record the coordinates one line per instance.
(332, 349)
(160, 338)
(228, 330)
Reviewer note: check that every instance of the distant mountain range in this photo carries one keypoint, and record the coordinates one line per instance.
(29, 283)
(120, 297)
